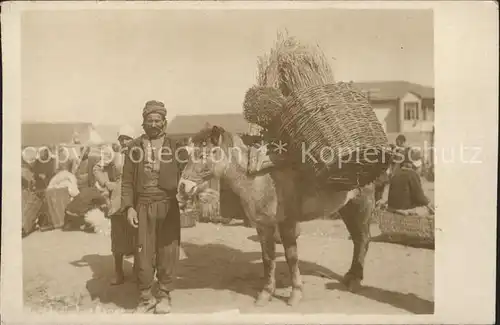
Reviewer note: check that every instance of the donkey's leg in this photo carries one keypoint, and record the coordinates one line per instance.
(268, 246)
(289, 233)
(356, 215)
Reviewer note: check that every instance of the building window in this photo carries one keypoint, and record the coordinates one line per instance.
(411, 111)
(427, 113)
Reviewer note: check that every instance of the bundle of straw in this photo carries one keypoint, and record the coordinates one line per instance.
(288, 67)
(291, 65)
(262, 105)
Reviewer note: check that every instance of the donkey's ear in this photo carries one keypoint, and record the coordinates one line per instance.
(216, 134)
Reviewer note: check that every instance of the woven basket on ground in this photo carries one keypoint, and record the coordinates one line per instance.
(336, 125)
(209, 205)
(397, 226)
(189, 217)
(57, 200)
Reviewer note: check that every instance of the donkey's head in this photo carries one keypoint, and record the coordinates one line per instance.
(210, 155)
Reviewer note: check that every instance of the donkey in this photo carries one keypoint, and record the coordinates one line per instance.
(280, 196)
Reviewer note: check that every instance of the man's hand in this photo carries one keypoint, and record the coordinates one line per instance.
(381, 203)
(132, 218)
(111, 186)
(182, 201)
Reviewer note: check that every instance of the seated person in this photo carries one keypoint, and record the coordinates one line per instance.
(85, 199)
(405, 190)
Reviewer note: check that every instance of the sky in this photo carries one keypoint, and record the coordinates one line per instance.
(102, 66)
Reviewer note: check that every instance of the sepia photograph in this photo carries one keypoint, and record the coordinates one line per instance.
(233, 161)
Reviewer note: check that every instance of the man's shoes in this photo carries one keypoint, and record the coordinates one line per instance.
(145, 306)
(118, 280)
(163, 306)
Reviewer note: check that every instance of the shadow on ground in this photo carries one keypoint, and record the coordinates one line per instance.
(403, 241)
(408, 301)
(219, 267)
(99, 287)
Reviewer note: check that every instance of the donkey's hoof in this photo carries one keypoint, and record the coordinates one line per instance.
(295, 297)
(264, 298)
(352, 283)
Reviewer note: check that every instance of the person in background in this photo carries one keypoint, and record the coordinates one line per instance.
(149, 188)
(406, 194)
(89, 196)
(27, 176)
(401, 141)
(399, 151)
(81, 168)
(107, 173)
(44, 168)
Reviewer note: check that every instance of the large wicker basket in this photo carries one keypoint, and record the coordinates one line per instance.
(399, 227)
(32, 205)
(337, 126)
(57, 200)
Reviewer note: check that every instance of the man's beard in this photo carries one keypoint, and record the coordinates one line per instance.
(153, 132)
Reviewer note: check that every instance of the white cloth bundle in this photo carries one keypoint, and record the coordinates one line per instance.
(65, 179)
(97, 219)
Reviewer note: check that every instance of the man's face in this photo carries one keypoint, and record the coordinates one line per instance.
(124, 140)
(154, 124)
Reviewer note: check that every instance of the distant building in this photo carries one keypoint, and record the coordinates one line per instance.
(185, 126)
(401, 106)
(37, 134)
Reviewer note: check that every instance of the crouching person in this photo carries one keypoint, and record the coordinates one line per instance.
(149, 188)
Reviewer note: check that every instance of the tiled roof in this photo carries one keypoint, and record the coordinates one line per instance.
(191, 124)
(388, 90)
(42, 133)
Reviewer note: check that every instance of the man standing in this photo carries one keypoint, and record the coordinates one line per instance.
(108, 172)
(149, 188)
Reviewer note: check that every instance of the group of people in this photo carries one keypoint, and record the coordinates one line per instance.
(400, 188)
(136, 189)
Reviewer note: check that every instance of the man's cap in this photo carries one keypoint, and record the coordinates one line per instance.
(154, 106)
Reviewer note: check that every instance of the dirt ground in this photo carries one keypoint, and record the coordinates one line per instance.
(70, 271)
(221, 270)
